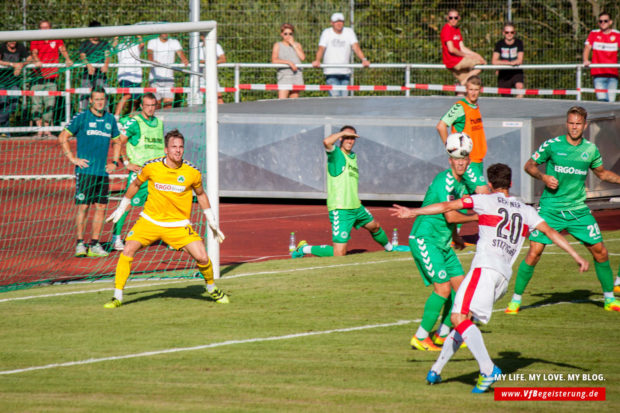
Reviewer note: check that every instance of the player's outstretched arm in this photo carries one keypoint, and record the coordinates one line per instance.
(433, 209)
(561, 242)
(125, 201)
(203, 201)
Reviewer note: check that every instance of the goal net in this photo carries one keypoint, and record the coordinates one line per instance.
(37, 182)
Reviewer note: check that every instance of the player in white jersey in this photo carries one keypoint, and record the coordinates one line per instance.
(503, 225)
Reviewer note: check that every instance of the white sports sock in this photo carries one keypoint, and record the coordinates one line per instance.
(388, 246)
(516, 297)
(450, 346)
(443, 330)
(118, 294)
(210, 287)
(475, 343)
(609, 295)
(307, 249)
(421, 334)
(617, 280)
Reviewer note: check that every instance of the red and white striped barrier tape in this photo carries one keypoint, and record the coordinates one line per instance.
(310, 88)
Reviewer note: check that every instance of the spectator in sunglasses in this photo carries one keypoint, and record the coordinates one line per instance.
(604, 43)
(458, 59)
(509, 51)
(288, 52)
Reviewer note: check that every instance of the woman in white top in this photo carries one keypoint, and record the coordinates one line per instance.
(288, 52)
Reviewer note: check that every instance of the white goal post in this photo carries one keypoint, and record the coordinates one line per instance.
(210, 73)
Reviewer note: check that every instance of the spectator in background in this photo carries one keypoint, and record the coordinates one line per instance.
(95, 129)
(164, 50)
(128, 52)
(288, 52)
(335, 47)
(46, 51)
(221, 58)
(509, 51)
(603, 43)
(458, 59)
(13, 57)
(93, 50)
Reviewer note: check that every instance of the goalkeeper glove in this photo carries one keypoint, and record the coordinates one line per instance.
(219, 235)
(118, 213)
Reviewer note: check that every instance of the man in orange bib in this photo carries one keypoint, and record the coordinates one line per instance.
(464, 116)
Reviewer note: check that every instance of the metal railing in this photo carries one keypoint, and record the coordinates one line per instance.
(407, 68)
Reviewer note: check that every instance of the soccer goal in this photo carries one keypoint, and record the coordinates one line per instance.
(37, 183)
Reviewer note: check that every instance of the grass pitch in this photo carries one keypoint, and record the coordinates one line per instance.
(299, 335)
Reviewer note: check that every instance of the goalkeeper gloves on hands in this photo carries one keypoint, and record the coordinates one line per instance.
(219, 235)
(118, 213)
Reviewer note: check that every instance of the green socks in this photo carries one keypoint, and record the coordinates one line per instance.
(323, 250)
(432, 308)
(524, 275)
(604, 275)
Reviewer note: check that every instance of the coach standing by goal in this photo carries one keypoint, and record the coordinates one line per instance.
(95, 129)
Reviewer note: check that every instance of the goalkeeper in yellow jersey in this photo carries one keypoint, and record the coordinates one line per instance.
(166, 215)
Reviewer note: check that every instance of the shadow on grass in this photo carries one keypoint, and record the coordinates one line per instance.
(195, 292)
(575, 296)
(510, 362)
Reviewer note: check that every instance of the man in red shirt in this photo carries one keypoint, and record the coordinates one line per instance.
(458, 59)
(603, 43)
(46, 51)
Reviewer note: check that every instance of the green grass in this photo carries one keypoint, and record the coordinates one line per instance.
(370, 369)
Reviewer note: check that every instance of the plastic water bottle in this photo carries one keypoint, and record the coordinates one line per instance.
(395, 237)
(292, 245)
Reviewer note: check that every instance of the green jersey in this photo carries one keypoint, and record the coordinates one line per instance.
(342, 180)
(569, 164)
(456, 116)
(146, 138)
(434, 228)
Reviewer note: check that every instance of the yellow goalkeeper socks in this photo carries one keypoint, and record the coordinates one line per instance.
(207, 272)
(123, 268)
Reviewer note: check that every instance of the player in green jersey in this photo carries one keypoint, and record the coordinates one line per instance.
(430, 241)
(143, 137)
(562, 204)
(343, 204)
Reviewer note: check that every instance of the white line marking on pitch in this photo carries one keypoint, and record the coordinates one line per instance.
(234, 342)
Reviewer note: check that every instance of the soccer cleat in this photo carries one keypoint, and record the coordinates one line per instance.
(484, 381)
(423, 345)
(612, 304)
(113, 303)
(298, 253)
(439, 341)
(80, 250)
(432, 377)
(97, 251)
(117, 243)
(219, 296)
(513, 307)
(617, 288)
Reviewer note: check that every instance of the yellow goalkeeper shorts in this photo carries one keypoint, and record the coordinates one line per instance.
(146, 233)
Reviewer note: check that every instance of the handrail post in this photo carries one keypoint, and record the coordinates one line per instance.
(578, 82)
(237, 77)
(407, 79)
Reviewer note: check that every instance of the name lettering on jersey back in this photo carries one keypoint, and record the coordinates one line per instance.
(504, 246)
(570, 170)
(169, 188)
(505, 201)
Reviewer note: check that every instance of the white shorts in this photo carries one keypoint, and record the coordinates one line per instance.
(480, 289)
(164, 84)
